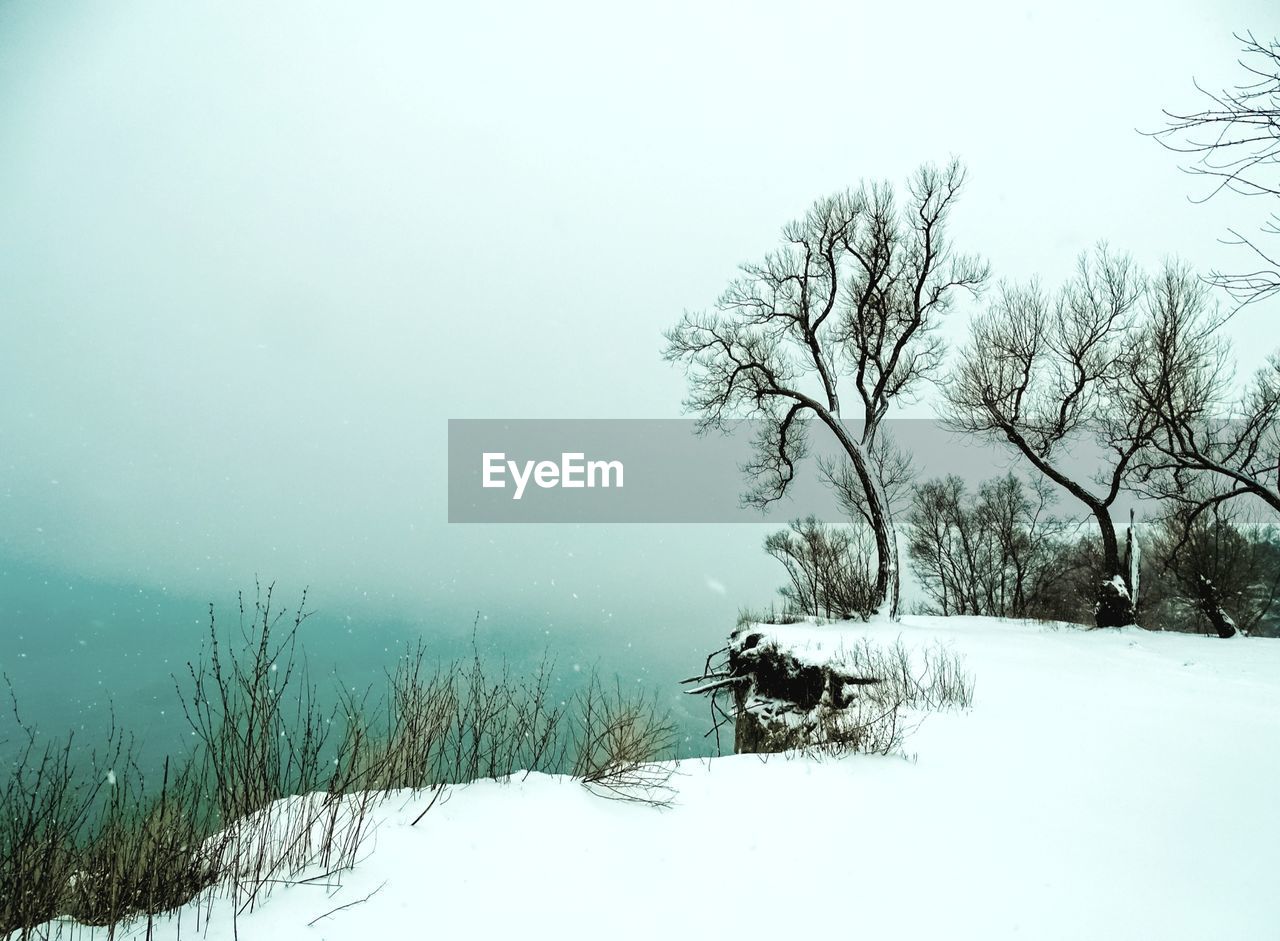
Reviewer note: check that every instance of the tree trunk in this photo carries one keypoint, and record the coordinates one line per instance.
(1115, 605)
(1211, 606)
(886, 583)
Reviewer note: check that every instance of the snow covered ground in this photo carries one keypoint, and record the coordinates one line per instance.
(1118, 784)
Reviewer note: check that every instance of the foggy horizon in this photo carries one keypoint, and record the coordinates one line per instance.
(254, 259)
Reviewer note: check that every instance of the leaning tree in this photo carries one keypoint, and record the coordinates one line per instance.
(1048, 373)
(848, 305)
(1233, 140)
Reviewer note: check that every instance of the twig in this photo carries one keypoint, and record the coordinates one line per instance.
(334, 911)
(439, 789)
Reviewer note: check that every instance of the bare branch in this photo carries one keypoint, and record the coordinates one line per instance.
(1234, 142)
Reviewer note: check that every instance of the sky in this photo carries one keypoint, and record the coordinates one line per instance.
(253, 257)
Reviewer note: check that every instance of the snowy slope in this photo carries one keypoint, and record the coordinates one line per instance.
(1113, 784)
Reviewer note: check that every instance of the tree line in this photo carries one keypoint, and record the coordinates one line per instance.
(839, 324)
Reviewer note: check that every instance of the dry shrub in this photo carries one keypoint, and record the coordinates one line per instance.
(280, 785)
(938, 681)
(620, 740)
(882, 714)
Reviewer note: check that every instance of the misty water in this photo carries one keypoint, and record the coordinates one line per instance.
(80, 653)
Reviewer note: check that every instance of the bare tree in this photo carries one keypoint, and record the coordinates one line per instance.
(1234, 141)
(1207, 427)
(937, 542)
(1218, 571)
(994, 553)
(850, 301)
(1025, 539)
(826, 567)
(1047, 373)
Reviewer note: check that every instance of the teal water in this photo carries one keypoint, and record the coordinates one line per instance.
(79, 653)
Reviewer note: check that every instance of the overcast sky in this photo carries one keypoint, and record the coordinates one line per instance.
(253, 256)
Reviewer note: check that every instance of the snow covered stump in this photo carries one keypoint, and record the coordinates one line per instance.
(828, 686)
(783, 700)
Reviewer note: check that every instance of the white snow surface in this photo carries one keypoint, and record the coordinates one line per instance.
(1106, 784)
